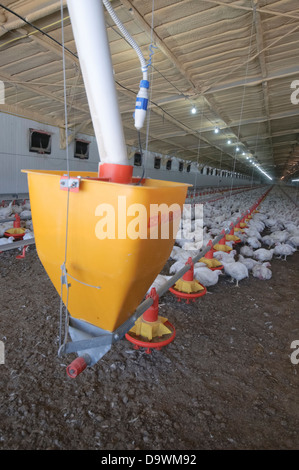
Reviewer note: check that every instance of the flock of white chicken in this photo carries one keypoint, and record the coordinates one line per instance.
(271, 233)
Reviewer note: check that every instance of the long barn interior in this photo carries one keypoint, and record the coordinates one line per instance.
(149, 225)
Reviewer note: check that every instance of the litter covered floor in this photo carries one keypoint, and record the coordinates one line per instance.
(225, 382)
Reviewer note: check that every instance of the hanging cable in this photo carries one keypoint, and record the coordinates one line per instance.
(199, 143)
(244, 92)
(142, 162)
(151, 82)
(64, 280)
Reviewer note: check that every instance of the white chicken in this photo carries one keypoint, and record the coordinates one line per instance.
(192, 246)
(4, 227)
(25, 214)
(283, 249)
(252, 233)
(280, 236)
(5, 212)
(177, 266)
(294, 240)
(206, 276)
(268, 240)
(249, 262)
(254, 242)
(158, 282)
(28, 235)
(263, 255)
(16, 209)
(262, 271)
(237, 271)
(246, 251)
(4, 241)
(224, 256)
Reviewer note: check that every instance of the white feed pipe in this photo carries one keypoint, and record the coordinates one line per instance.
(89, 29)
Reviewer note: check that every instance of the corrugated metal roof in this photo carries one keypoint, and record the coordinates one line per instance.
(233, 60)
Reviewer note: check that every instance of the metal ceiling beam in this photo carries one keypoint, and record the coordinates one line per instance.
(283, 73)
(16, 110)
(272, 117)
(260, 10)
(34, 15)
(196, 86)
(51, 46)
(160, 43)
(38, 91)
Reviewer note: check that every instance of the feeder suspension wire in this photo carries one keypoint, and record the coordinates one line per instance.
(244, 92)
(63, 267)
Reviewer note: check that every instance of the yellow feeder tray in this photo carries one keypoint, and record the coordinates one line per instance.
(211, 262)
(220, 247)
(151, 329)
(16, 233)
(109, 277)
(232, 238)
(188, 286)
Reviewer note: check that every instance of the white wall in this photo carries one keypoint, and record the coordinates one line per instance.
(15, 156)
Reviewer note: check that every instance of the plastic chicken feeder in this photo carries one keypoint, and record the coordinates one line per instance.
(17, 232)
(221, 245)
(231, 237)
(242, 222)
(151, 331)
(187, 287)
(109, 275)
(209, 259)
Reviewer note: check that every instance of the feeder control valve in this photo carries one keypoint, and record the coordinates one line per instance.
(141, 104)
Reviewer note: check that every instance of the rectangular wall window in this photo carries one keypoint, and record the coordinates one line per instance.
(157, 163)
(168, 165)
(39, 141)
(137, 159)
(81, 149)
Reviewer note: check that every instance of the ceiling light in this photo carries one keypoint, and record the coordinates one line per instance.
(193, 110)
(237, 149)
(229, 142)
(216, 130)
(243, 153)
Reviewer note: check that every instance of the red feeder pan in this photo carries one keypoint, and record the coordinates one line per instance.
(16, 233)
(138, 343)
(188, 297)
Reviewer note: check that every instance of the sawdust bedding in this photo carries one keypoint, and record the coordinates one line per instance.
(225, 382)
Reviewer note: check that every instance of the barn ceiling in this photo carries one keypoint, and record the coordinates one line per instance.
(233, 61)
